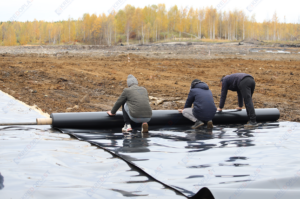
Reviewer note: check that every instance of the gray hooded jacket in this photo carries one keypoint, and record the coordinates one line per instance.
(136, 98)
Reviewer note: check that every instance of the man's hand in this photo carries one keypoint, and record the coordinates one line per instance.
(219, 110)
(239, 108)
(110, 114)
(180, 110)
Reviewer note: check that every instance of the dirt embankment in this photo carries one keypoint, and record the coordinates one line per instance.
(75, 84)
(172, 50)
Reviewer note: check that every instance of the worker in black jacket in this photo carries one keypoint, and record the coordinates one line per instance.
(204, 108)
(244, 85)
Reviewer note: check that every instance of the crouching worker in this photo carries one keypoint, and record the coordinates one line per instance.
(204, 107)
(135, 105)
(244, 85)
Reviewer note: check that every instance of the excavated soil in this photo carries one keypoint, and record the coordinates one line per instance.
(84, 83)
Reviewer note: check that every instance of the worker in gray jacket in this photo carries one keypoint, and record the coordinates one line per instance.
(135, 105)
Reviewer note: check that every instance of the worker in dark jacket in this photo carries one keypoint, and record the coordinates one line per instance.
(135, 105)
(1, 182)
(204, 108)
(244, 85)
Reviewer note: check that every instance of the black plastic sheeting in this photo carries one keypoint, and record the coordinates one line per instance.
(100, 120)
(228, 161)
(39, 162)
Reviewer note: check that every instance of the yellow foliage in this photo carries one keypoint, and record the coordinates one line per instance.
(149, 24)
(10, 38)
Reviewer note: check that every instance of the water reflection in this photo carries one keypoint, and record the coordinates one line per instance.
(1, 182)
(132, 144)
(195, 139)
(137, 142)
(200, 134)
(140, 142)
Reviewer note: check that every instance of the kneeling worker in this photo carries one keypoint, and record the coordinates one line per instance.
(204, 108)
(135, 105)
(244, 84)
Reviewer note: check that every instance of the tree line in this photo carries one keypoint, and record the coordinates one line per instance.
(149, 24)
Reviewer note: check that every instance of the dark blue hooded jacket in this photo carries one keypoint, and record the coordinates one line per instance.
(202, 98)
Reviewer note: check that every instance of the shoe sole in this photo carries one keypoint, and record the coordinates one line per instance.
(126, 130)
(145, 128)
(195, 127)
(210, 125)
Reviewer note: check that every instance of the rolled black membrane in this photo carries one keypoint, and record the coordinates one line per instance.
(100, 120)
(95, 126)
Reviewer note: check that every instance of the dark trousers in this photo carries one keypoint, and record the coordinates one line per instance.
(127, 119)
(125, 116)
(246, 87)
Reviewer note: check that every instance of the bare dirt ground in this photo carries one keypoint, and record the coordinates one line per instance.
(76, 82)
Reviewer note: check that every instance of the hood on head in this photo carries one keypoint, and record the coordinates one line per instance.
(131, 80)
(194, 82)
(201, 85)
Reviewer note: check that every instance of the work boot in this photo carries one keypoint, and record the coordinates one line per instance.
(210, 124)
(251, 124)
(197, 124)
(127, 128)
(145, 127)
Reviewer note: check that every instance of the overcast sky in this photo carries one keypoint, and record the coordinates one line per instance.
(54, 10)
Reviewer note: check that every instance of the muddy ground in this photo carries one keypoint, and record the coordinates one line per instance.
(80, 82)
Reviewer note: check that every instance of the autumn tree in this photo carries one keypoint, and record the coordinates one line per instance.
(201, 14)
(275, 24)
(173, 18)
(10, 38)
(129, 12)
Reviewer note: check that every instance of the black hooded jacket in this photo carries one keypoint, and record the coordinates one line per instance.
(231, 82)
(202, 98)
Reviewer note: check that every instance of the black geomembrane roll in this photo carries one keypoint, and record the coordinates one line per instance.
(100, 120)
